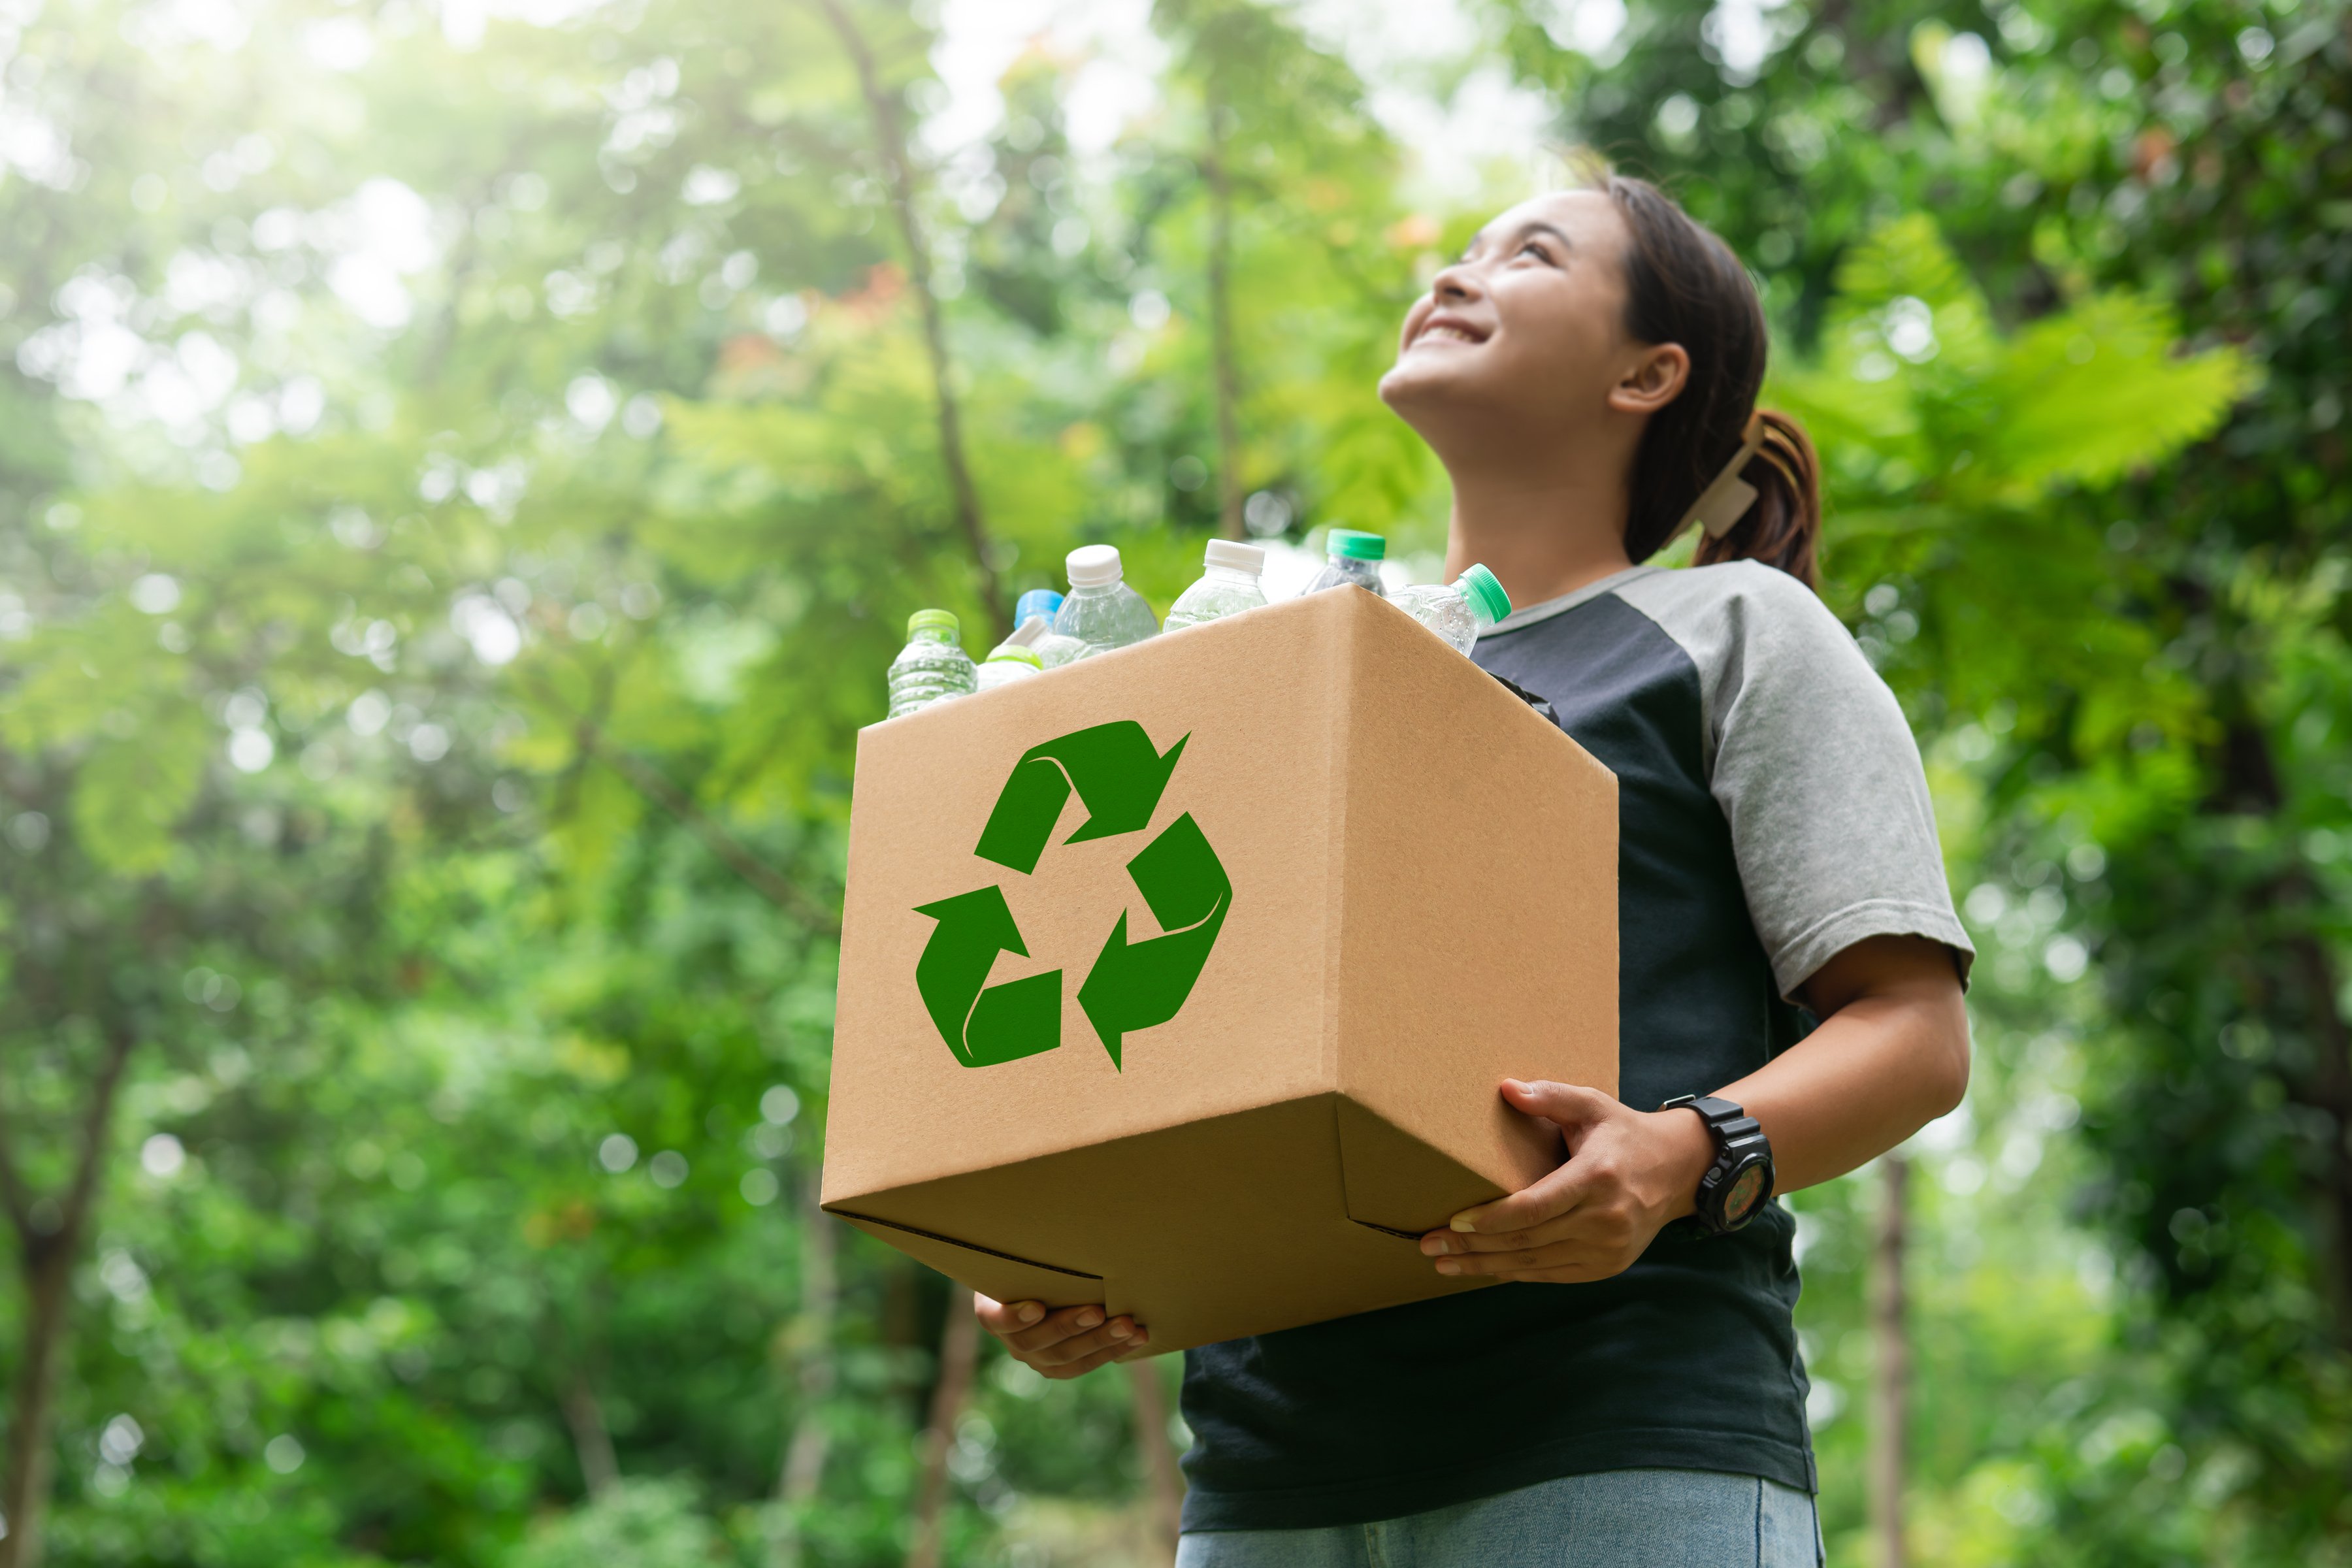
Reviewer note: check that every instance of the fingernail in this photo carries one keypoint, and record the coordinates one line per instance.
(1142, 1335)
(1119, 1331)
(1465, 1223)
(1447, 1266)
(1089, 1318)
(1030, 1312)
(1433, 1246)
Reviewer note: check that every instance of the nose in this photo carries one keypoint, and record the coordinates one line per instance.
(1455, 285)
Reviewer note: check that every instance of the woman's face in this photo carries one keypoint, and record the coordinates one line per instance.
(1526, 332)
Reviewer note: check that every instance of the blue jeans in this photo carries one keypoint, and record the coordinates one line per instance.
(1617, 1518)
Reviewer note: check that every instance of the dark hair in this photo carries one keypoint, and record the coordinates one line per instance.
(1684, 285)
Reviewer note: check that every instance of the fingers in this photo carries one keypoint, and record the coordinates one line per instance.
(1576, 1109)
(1004, 1319)
(1061, 1344)
(1569, 1104)
(1552, 1197)
(1127, 1350)
(1559, 1264)
(1597, 1224)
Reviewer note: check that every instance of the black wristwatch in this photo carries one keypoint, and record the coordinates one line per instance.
(1740, 1182)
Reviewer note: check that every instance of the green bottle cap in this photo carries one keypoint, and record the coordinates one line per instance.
(1346, 542)
(1013, 653)
(934, 621)
(1480, 587)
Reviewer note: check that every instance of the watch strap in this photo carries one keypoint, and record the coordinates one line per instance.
(1736, 1135)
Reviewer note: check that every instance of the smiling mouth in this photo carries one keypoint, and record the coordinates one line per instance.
(1444, 334)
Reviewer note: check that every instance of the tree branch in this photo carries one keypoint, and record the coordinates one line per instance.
(890, 140)
(764, 879)
(120, 1041)
(1221, 324)
(16, 1200)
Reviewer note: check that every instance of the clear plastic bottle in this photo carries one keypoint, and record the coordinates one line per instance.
(1036, 609)
(1351, 557)
(1102, 611)
(932, 666)
(1228, 585)
(1010, 662)
(1458, 613)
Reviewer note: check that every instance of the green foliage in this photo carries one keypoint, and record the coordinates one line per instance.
(652, 1523)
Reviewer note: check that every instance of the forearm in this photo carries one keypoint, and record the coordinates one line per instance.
(1891, 1056)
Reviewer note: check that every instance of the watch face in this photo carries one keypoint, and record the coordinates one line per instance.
(1746, 1192)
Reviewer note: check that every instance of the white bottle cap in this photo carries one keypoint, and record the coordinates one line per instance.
(1237, 557)
(1094, 566)
(1027, 633)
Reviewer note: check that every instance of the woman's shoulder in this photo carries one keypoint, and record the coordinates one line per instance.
(1734, 607)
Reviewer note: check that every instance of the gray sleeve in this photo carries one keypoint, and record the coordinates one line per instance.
(1816, 768)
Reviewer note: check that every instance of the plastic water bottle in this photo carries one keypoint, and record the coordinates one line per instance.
(1351, 557)
(1010, 662)
(1458, 613)
(1102, 611)
(1228, 585)
(932, 666)
(1034, 616)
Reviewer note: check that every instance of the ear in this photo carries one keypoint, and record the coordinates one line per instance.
(1655, 378)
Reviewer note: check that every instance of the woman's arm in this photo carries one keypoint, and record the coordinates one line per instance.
(1891, 1055)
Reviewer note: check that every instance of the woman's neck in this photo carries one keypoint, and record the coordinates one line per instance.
(1542, 536)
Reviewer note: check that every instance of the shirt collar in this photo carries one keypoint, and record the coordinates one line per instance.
(1550, 608)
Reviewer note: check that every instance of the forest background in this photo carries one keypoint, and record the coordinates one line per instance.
(464, 469)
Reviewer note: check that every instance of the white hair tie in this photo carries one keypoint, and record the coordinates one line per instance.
(1723, 503)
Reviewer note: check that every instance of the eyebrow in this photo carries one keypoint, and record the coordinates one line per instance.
(1532, 225)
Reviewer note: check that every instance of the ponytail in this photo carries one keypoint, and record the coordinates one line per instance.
(1783, 526)
(1684, 285)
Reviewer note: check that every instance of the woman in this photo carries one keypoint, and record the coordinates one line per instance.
(1588, 374)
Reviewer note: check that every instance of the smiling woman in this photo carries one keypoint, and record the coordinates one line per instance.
(1789, 965)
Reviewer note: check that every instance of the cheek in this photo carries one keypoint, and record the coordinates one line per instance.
(1414, 318)
(1562, 338)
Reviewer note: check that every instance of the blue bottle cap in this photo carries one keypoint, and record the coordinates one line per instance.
(1037, 602)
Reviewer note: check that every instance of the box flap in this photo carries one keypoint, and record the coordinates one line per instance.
(997, 1275)
(1396, 1183)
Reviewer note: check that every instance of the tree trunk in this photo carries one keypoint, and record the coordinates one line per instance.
(1890, 1395)
(1159, 1473)
(891, 142)
(48, 1238)
(958, 1351)
(1221, 325)
(48, 1270)
(803, 1469)
(592, 1440)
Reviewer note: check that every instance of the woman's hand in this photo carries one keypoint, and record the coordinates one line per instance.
(1628, 1172)
(1067, 1344)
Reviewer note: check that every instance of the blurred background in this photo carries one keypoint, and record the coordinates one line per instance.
(464, 469)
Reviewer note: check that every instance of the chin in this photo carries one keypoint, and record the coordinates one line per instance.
(1436, 387)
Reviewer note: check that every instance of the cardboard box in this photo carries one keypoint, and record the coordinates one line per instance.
(1263, 911)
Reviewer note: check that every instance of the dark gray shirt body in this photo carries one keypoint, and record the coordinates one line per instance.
(1772, 812)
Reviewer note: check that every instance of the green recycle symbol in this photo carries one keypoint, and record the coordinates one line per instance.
(1119, 779)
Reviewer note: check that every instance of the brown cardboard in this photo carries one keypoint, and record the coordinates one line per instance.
(1423, 901)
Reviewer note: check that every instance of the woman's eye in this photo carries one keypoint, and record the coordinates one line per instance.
(1535, 250)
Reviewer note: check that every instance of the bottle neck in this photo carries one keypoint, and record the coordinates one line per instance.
(1095, 590)
(933, 635)
(1477, 606)
(1230, 575)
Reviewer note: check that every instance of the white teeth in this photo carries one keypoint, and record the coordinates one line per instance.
(1450, 334)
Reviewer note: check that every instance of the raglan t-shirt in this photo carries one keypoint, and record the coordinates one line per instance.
(1772, 812)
